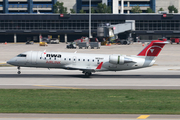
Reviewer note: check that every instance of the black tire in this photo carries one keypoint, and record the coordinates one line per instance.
(87, 74)
(19, 72)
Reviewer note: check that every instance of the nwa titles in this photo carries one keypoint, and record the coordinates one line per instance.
(53, 56)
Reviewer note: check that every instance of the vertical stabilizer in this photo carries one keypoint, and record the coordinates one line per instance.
(153, 49)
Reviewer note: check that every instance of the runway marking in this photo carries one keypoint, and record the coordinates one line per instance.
(143, 116)
(57, 87)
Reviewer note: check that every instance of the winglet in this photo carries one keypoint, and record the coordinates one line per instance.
(99, 66)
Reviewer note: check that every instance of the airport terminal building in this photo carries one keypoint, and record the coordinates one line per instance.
(19, 21)
(26, 6)
(20, 28)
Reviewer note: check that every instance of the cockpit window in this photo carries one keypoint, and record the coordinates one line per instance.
(21, 55)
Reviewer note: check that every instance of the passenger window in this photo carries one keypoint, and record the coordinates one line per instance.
(45, 58)
(64, 58)
(69, 59)
(88, 60)
(74, 59)
(93, 60)
(83, 59)
(78, 59)
(54, 58)
(40, 57)
(50, 58)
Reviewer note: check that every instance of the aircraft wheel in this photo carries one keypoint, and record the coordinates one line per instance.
(19, 72)
(87, 74)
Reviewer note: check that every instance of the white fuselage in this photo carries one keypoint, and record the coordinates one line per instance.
(78, 61)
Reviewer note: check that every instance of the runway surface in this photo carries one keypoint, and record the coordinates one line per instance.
(85, 117)
(156, 77)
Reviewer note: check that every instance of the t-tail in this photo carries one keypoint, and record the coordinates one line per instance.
(153, 49)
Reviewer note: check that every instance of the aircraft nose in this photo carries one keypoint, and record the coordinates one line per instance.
(11, 61)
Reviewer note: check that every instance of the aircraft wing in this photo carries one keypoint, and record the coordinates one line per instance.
(84, 68)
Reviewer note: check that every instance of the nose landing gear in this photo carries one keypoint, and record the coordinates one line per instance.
(19, 72)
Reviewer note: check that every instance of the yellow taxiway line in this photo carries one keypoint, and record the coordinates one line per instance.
(143, 116)
(2, 63)
(174, 69)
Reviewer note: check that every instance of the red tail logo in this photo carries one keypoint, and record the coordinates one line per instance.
(153, 49)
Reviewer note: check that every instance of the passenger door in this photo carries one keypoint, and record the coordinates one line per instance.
(34, 57)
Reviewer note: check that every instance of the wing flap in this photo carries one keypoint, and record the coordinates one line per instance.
(81, 68)
(84, 68)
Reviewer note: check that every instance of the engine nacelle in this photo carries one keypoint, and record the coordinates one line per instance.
(117, 59)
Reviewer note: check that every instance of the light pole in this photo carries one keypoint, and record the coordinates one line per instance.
(122, 6)
(89, 18)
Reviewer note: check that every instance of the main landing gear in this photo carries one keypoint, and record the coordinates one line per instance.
(19, 72)
(87, 74)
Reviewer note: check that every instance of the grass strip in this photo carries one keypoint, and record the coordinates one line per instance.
(90, 101)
